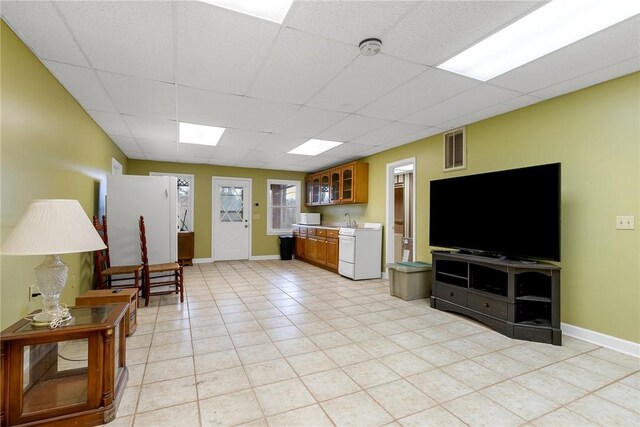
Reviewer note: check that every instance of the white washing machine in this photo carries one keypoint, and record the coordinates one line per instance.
(360, 252)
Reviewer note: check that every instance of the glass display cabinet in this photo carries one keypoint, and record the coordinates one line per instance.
(72, 375)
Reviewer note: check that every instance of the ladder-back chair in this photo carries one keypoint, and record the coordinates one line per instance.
(164, 279)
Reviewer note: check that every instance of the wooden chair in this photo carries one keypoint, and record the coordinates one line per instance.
(166, 278)
(107, 277)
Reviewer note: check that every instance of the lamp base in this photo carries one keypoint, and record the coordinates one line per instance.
(45, 319)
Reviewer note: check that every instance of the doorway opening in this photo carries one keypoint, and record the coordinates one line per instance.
(401, 211)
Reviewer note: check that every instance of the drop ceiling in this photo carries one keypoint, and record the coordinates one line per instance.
(140, 67)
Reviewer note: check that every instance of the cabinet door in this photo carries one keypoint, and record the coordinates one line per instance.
(300, 246)
(311, 248)
(321, 251)
(324, 189)
(332, 253)
(309, 191)
(334, 196)
(315, 184)
(347, 184)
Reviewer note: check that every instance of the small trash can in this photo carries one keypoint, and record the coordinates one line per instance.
(286, 247)
(410, 280)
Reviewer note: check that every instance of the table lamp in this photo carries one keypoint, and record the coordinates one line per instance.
(51, 228)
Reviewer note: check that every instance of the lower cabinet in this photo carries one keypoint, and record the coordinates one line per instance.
(317, 246)
(520, 300)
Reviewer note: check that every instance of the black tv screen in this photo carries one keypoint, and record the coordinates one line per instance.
(514, 213)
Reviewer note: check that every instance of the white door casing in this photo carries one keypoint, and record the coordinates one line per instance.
(389, 236)
(231, 216)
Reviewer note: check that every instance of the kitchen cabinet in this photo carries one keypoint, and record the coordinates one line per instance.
(317, 246)
(344, 184)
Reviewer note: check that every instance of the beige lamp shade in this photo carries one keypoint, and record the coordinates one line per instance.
(52, 227)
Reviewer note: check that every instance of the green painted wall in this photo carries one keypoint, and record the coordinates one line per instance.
(50, 148)
(595, 133)
(261, 243)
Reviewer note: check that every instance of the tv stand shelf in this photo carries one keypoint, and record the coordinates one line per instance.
(518, 299)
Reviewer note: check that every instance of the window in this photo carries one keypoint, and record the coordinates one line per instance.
(283, 205)
(455, 150)
(185, 199)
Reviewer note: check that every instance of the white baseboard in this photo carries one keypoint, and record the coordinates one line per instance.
(263, 257)
(618, 344)
(202, 260)
(385, 275)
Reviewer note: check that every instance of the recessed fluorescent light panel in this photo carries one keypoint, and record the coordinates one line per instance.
(271, 10)
(550, 27)
(313, 147)
(200, 134)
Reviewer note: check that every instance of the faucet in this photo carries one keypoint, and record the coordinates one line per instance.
(345, 216)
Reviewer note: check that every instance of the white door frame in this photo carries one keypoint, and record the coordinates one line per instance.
(389, 250)
(213, 211)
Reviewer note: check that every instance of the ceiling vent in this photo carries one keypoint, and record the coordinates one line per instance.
(370, 47)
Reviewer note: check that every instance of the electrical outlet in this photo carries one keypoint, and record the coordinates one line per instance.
(625, 222)
(33, 292)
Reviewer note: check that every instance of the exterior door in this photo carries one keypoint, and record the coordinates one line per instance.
(231, 214)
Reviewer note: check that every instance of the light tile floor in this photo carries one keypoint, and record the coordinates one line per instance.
(283, 343)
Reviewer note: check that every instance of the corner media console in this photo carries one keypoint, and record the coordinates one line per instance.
(520, 300)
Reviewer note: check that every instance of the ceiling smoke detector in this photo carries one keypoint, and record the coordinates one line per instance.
(370, 47)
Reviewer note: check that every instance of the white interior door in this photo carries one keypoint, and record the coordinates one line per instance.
(231, 214)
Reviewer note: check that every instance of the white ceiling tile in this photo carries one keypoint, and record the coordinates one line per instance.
(140, 97)
(285, 167)
(227, 156)
(299, 66)
(364, 80)
(254, 165)
(241, 139)
(128, 37)
(261, 156)
(294, 160)
(352, 127)
(388, 133)
(437, 30)
(347, 21)
(309, 121)
(280, 143)
(607, 73)
(137, 155)
(125, 143)
(196, 150)
(159, 150)
(111, 123)
(504, 107)
(321, 162)
(83, 85)
(429, 88)
(196, 160)
(206, 107)
(413, 137)
(39, 26)
(348, 149)
(261, 115)
(478, 98)
(152, 129)
(219, 49)
(615, 44)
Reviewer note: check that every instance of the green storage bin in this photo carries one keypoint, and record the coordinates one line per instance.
(410, 280)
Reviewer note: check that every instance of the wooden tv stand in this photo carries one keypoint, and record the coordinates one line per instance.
(518, 299)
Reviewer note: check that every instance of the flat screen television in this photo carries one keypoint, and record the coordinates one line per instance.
(513, 213)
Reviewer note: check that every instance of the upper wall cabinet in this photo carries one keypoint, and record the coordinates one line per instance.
(343, 184)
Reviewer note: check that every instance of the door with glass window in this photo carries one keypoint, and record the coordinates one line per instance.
(231, 225)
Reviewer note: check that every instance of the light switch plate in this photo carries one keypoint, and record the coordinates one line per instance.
(625, 222)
